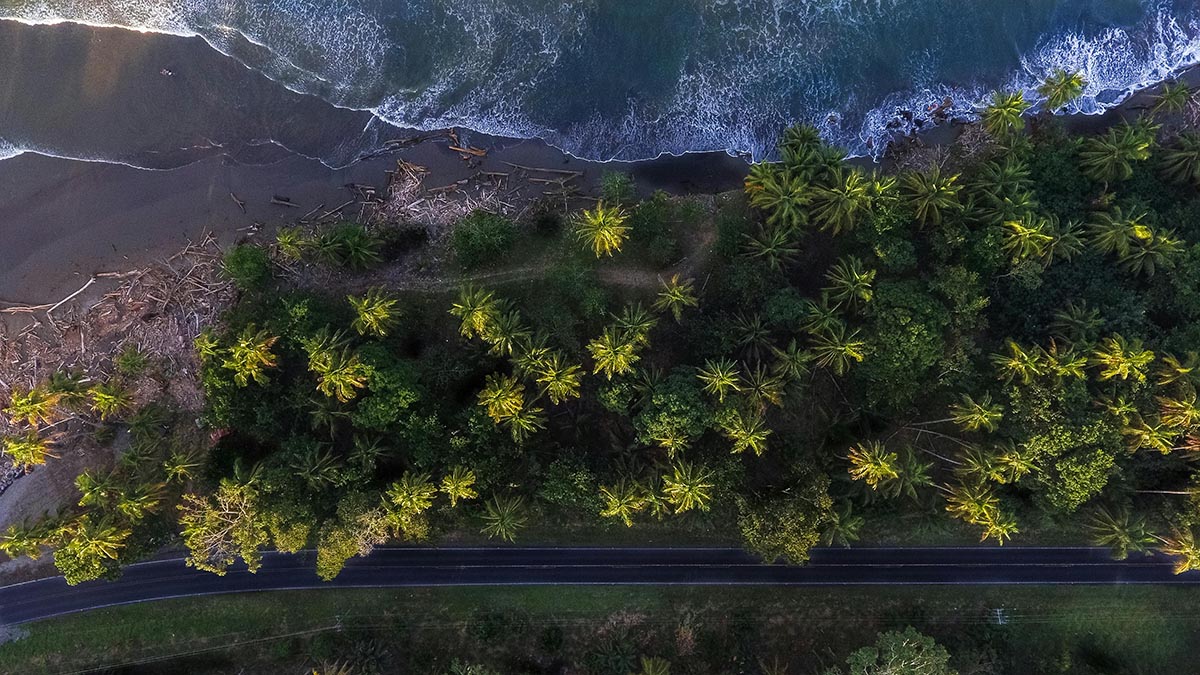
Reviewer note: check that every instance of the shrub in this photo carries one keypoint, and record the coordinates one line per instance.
(348, 244)
(248, 266)
(481, 237)
(617, 187)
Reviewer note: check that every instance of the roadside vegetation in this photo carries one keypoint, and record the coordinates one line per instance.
(1002, 345)
(630, 630)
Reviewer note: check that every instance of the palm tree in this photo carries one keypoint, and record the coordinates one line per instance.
(872, 463)
(459, 484)
(1117, 357)
(110, 398)
(763, 387)
(1182, 545)
(849, 282)
(720, 378)
(973, 416)
(506, 333)
(602, 229)
(752, 334)
(250, 355)
(748, 432)
(1113, 232)
(375, 312)
(821, 317)
(791, 362)
(931, 195)
(532, 355)
(503, 396)
(560, 380)
(775, 245)
(636, 322)
(655, 666)
(1077, 323)
(292, 242)
(614, 353)
(1121, 531)
(1005, 114)
(95, 489)
(622, 501)
(1110, 158)
(979, 464)
(98, 539)
(676, 296)
(1172, 370)
(914, 474)
(974, 502)
(1146, 255)
(1027, 238)
(1061, 87)
(180, 466)
(26, 540)
(837, 349)
(1018, 363)
(1149, 436)
(28, 450)
(412, 494)
(1066, 363)
(1181, 162)
(843, 527)
(34, 406)
(780, 194)
(340, 374)
(838, 207)
(688, 486)
(504, 517)
(525, 423)
(1173, 98)
(1179, 413)
(477, 309)
(140, 500)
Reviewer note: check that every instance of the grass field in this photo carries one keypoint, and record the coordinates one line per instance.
(700, 630)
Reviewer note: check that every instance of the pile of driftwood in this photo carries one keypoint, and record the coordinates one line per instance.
(159, 310)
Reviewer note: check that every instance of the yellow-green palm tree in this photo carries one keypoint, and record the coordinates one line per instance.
(1117, 357)
(873, 464)
(613, 353)
(622, 501)
(837, 349)
(974, 415)
(720, 377)
(476, 309)
(748, 432)
(375, 313)
(250, 356)
(1005, 114)
(931, 195)
(110, 398)
(847, 198)
(688, 486)
(506, 333)
(676, 296)
(526, 422)
(1181, 162)
(34, 406)
(503, 396)
(559, 379)
(1173, 98)
(1181, 545)
(602, 229)
(1120, 531)
(850, 282)
(459, 484)
(412, 494)
(1061, 87)
(340, 374)
(28, 450)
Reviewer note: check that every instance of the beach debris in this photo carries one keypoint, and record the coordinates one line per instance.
(305, 217)
(469, 151)
(284, 201)
(241, 204)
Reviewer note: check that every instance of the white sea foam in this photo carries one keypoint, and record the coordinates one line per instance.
(8, 150)
(756, 65)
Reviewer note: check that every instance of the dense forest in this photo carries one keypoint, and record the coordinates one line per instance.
(1003, 344)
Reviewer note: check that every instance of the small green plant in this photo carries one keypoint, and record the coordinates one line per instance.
(131, 362)
(617, 187)
(109, 399)
(248, 266)
(293, 242)
(349, 245)
(481, 238)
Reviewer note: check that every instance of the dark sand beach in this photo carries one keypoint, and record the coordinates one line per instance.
(62, 220)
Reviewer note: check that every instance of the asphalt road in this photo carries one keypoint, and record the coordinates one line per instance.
(398, 567)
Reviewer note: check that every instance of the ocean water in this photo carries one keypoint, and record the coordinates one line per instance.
(601, 79)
